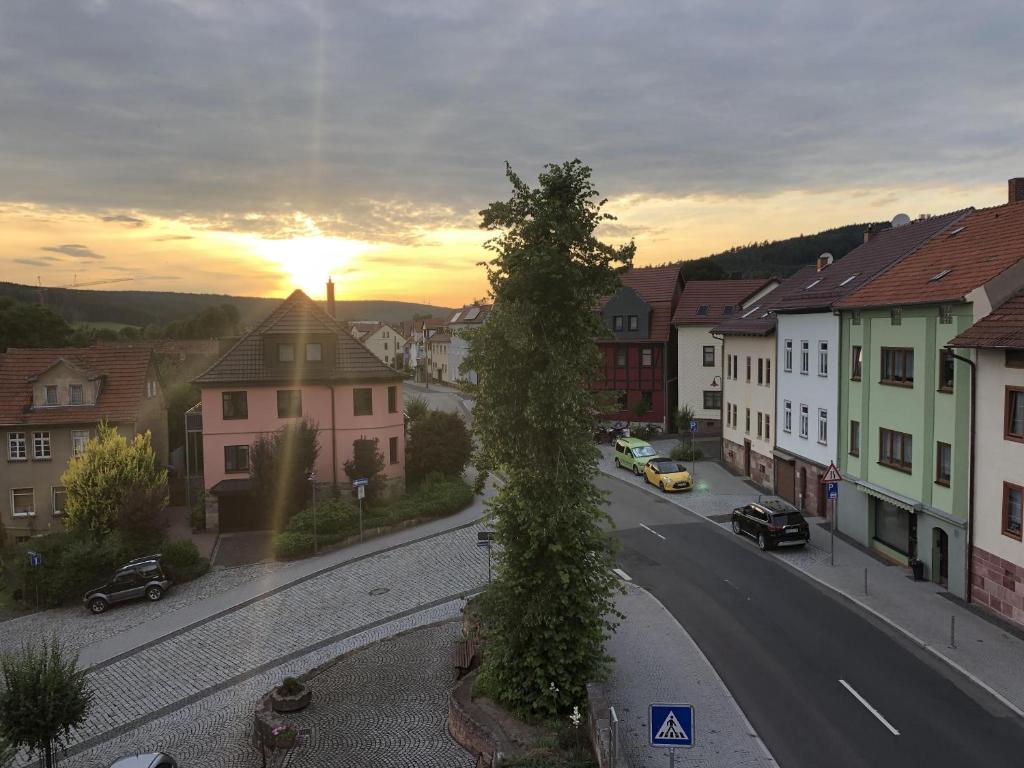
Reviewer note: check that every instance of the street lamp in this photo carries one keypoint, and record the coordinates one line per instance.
(312, 479)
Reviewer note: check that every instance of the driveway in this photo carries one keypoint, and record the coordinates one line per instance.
(244, 548)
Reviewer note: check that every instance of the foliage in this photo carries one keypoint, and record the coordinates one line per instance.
(645, 431)
(198, 512)
(438, 442)
(333, 516)
(44, 697)
(290, 686)
(367, 461)
(641, 409)
(138, 517)
(29, 325)
(683, 452)
(280, 465)
(547, 613)
(109, 478)
(182, 561)
(179, 396)
(683, 418)
(415, 408)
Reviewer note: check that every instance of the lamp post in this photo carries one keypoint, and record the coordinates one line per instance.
(716, 383)
(312, 481)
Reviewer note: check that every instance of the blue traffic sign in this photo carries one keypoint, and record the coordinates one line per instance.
(693, 426)
(671, 725)
(831, 491)
(35, 559)
(360, 481)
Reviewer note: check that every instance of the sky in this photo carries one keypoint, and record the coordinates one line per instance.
(257, 146)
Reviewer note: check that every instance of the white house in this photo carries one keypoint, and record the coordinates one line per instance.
(472, 316)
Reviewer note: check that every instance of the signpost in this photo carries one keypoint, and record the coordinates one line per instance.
(35, 560)
(360, 486)
(693, 431)
(831, 480)
(484, 539)
(671, 726)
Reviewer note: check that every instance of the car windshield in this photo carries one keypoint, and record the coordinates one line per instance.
(787, 518)
(667, 467)
(644, 450)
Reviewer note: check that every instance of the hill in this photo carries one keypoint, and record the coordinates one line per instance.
(141, 308)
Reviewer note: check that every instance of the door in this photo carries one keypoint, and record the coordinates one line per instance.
(822, 501)
(746, 458)
(126, 585)
(785, 480)
(239, 513)
(802, 496)
(940, 556)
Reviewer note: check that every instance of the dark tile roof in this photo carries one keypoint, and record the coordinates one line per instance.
(968, 254)
(466, 315)
(123, 388)
(715, 297)
(759, 319)
(660, 288)
(1002, 328)
(298, 314)
(864, 262)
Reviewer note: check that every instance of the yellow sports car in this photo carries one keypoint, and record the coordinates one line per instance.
(668, 474)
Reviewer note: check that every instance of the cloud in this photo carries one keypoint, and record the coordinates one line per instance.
(123, 218)
(169, 238)
(42, 261)
(74, 250)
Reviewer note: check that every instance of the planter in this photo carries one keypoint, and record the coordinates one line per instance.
(281, 702)
(285, 739)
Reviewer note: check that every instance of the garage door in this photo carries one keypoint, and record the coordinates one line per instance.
(239, 513)
(785, 481)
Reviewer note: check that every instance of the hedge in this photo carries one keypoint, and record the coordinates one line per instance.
(683, 452)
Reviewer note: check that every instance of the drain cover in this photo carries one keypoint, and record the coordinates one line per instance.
(379, 591)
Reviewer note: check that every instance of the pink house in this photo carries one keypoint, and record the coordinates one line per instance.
(298, 363)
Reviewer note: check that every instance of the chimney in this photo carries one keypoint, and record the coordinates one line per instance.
(330, 297)
(869, 232)
(1016, 189)
(824, 260)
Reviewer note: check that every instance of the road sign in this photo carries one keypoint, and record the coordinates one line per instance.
(360, 482)
(483, 538)
(693, 426)
(831, 491)
(360, 491)
(35, 559)
(671, 725)
(831, 474)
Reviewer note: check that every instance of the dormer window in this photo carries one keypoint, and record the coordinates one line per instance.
(314, 352)
(286, 353)
(75, 394)
(51, 394)
(634, 322)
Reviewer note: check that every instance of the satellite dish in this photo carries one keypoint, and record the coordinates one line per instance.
(900, 219)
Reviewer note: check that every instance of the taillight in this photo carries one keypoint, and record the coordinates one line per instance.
(775, 528)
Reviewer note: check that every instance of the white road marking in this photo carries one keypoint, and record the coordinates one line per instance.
(652, 531)
(621, 574)
(869, 708)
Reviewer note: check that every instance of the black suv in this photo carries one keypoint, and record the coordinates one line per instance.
(771, 525)
(141, 577)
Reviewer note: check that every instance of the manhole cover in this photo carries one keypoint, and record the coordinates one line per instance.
(379, 591)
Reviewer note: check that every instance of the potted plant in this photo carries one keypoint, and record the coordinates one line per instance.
(290, 696)
(284, 736)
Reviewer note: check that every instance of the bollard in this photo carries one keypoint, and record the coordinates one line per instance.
(952, 631)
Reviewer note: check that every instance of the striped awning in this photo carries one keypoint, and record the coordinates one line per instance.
(877, 491)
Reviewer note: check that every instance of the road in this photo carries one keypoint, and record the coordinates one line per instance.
(822, 682)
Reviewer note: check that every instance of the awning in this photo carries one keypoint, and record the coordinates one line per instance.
(911, 505)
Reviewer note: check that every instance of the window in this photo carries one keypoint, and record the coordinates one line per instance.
(767, 427)
(946, 361)
(897, 366)
(787, 356)
(1015, 358)
(712, 399)
(392, 399)
(634, 323)
(40, 445)
(75, 394)
(51, 394)
(823, 358)
(896, 315)
(850, 279)
(647, 356)
(709, 357)
(617, 323)
(235, 405)
(728, 366)
(236, 458)
(362, 401)
(823, 426)
(23, 502)
(787, 416)
(896, 450)
(748, 367)
(79, 439)
(855, 438)
(1013, 506)
(1014, 429)
(856, 362)
(946, 314)
(286, 353)
(767, 371)
(805, 421)
(805, 357)
(289, 403)
(315, 352)
(760, 371)
(620, 358)
(760, 419)
(892, 526)
(943, 459)
(702, 310)
(393, 450)
(855, 317)
(16, 450)
(59, 499)
(748, 421)
(151, 388)
(647, 398)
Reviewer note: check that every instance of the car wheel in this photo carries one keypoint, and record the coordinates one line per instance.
(736, 526)
(617, 465)
(636, 470)
(762, 542)
(97, 605)
(154, 593)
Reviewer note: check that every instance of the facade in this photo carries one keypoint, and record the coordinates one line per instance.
(299, 363)
(387, 343)
(51, 402)
(700, 369)
(437, 344)
(905, 402)
(465, 319)
(638, 352)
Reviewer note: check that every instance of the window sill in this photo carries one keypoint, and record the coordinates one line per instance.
(855, 378)
(945, 391)
(236, 471)
(901, 384)
(1010, 436)
(896, 468)
(853, 455)
(943, 483)
(23, 514)
(1012, 535)
(235, 418)
(42, 458)
(22, 461)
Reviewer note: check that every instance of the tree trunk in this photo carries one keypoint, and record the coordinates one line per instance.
(49, 754)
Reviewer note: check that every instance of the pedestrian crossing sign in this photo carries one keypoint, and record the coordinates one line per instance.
(671, 725)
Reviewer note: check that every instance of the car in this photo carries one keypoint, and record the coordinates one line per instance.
(633, 453)
(771, 525)
(141, 577)
(668, 474)
(148, 760)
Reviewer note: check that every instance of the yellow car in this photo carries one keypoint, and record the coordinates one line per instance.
(668, 474)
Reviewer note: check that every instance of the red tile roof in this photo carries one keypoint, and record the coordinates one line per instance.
(1002, 328)
(720, 299)
(758, 318)
(121, 393)
(660, 288)
(964, 256)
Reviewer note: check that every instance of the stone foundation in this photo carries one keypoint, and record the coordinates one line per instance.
(762, 468)
(998, 585)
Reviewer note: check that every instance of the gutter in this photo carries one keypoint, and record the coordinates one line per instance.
(721, 422)
(970, 490)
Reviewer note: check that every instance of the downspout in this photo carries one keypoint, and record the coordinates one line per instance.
(721, 406)
(334, 445)
(970, 490)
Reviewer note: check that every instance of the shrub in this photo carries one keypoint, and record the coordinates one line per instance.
(415, 408)
(438, 442)
(333, 517)
(198, 513)
(289, 687)
(683, 452)
(291, 545)
(645, 431)
(182, 560)
(280, 464)
(367, 461)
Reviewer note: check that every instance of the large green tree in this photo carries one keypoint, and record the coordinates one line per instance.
(438, 442)
(550, 608)
(30, 325)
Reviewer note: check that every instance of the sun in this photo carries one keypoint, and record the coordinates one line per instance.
(307, 262)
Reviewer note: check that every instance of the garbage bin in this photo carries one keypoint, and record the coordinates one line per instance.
(917, 567)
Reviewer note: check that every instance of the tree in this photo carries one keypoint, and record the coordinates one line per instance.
(30, 325)
(98, 482)
(367, 461)
(550, 609)
(438, 442)
(45, 695)
(280, 465)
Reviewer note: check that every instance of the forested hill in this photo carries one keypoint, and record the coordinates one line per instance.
(142, 308)
(780, 258)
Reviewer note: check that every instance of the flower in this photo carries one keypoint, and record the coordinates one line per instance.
(575, 717)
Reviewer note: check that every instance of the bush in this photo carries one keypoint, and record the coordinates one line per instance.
(684, 417)
(198, 513)
(438, 442)
(182, 561)
(333, 517)
(645, 431)
(290, 545)
(683, 452)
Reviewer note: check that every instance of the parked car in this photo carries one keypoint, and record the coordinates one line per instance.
(633, 454)
(150, 760)
(771, 525)
(668, 474)
(141, 577)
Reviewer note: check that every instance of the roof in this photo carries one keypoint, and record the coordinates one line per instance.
(758, 318)
(706, 302)
(471, 314)
(231, 486)
(859, 266)
(966, 255)
(1002, 328)
(659, 287)
(440, 336)
(123, 388)
(298, 314)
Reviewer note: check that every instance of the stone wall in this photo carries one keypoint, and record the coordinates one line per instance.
(762, 468)
(998, 585)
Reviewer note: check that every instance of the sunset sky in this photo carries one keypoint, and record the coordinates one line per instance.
(254, 147)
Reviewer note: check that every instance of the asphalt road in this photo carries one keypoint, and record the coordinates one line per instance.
(783, 644)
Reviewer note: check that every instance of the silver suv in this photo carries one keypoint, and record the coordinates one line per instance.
(141, 577)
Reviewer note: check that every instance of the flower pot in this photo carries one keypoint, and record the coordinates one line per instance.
(282, 702)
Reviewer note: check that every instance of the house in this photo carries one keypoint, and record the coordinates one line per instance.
(386, 342)
(905, 399)
(997, 547)
(703, 305)
(808, 338)
(638, 351)
(360, 329)
(51, 401)
(298, 363)
(465, 319)
(436, 355)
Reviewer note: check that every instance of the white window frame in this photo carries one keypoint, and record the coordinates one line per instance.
(787, 355)
(805, 421)
(79, 439)
(23, 491)
(47, 389)
(41, 446)
(54, 489)
(19, 439)
(823, 358)
(787, 416)
(72, 388)
(823, 426)
(805, 357)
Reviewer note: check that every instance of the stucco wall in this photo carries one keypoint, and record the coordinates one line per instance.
(694, 378)
(758, 398)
